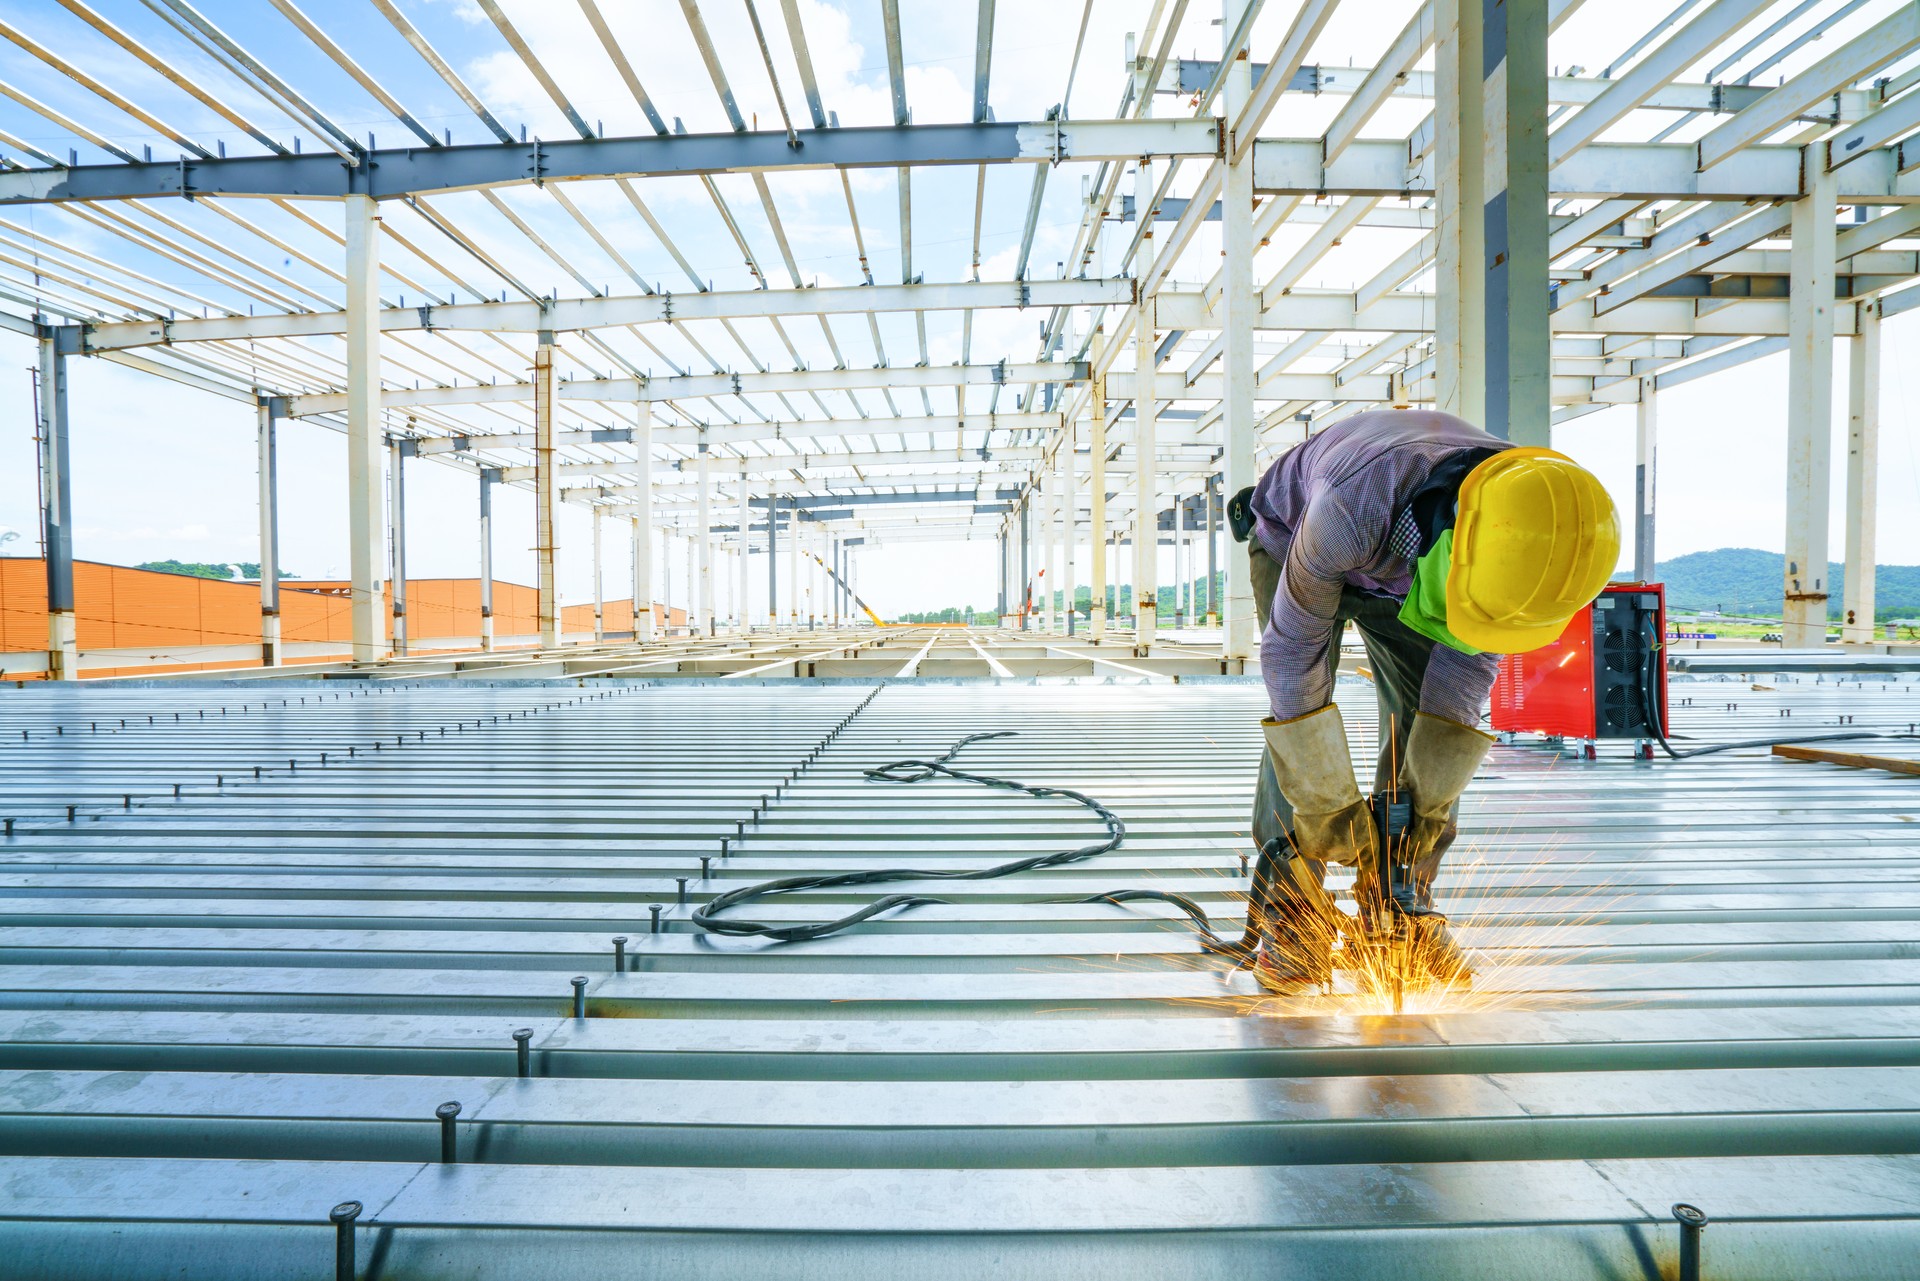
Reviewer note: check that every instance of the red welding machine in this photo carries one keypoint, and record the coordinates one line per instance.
(1606, 677)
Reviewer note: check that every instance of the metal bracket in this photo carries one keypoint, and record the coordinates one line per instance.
(426, 317)
(736, 383)
(539, 166)
(666, 303)
(1000, 372)
(1026, 294)
(186, 183)
(1059, 152)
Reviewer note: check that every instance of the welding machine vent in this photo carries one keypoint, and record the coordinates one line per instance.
(1604, 678)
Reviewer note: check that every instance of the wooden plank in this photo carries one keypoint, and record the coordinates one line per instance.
(1852, 760)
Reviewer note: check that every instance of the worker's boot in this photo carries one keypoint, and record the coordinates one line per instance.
(1442, 756)
(1292, 919)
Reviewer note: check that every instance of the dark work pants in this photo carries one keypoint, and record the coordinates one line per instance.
(1398, 656)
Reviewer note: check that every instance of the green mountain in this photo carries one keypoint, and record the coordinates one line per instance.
(1746, 580)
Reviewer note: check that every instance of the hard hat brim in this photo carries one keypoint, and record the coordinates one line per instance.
(1501, 638)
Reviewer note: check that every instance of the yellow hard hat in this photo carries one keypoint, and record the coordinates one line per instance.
(1534, 541)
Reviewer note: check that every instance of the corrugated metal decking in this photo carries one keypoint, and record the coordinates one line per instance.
(224, 1012)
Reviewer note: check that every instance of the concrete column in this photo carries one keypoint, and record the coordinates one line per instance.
(1146, 533)
(546, 489)
(643, 525)
(397, 450)
(56, 511)
(1863, 472)
(703, 507)
(1647, 423)
(1242, 636)
(489, 476)
(268, 421)
(599, 593)
(367, 592)
(1809, 404)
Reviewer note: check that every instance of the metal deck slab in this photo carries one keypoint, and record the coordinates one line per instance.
(221, 1012)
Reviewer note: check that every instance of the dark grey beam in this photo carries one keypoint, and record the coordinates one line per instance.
(394, 172)
(808, 502)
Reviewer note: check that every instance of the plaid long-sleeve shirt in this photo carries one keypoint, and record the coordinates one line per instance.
(1326, 512)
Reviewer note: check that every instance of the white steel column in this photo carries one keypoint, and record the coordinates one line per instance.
(1518, 339)
(741, 615)
(599, 595)
(367, 593)
(643, 525)
(693, 586)
(1097, 495)
(397, 537)
(269, 536)
(1647, 421)
(703, 505)
(1146, 533)
(794, 591)
(1241, 639)
(1863, 472)
(1459, 160)
(1809, 404)
(56, 512)
(1043, 520)
(666, 579)
(1069, 515)
(546, 489)
(489, 476)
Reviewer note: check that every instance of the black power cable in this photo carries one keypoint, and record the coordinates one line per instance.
(708, 917)
(1650, 711)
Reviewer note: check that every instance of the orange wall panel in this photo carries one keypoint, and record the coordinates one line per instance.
(136, 609)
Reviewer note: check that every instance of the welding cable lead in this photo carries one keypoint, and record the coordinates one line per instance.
(708, 917)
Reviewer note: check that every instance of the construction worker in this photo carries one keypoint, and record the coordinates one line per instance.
(1447, 547)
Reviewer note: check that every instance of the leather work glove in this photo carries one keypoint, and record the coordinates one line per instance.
(1442, 756)
(1315, 773)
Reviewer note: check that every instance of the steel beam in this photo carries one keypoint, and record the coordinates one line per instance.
(396, 173)
(693, 386)
(1851, 62)
(562, 315)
